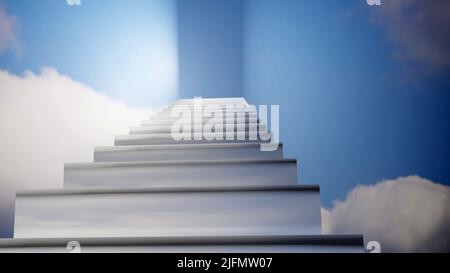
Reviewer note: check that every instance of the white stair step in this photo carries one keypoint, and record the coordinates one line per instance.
(232, 109)
(240, 118)
(239, 113)
(179, 212)
(151, 139)
(194, 244)
(167, 129)
(169, 122)
(206, 151)
(225, 114)
(212, 101)
(207, 173)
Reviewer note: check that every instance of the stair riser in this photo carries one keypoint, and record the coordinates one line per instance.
(151, 139)
(227, 114)
(170, 121)
(180, 175)
(168, 214)
(196, 122)
(200, 153)
(229, 248)
(207, 110)
(168, 129)
(204, 102)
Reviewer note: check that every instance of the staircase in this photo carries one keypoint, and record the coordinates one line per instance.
(152, 193)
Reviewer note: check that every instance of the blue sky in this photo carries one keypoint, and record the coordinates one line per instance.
(125, 49)
(362, 97)
(357, 106)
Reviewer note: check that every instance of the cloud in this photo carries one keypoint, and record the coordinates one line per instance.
(47, 120)
(409, 214)
(419, 29)
(9, 26)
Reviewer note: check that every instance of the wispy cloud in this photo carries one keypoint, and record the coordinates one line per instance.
(47, 120)
(408, 214)
(420, 31)
(9, 28)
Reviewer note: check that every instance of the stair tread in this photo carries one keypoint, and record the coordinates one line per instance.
(77, 165)
(175, 146)
(343, 240)
(147, 190)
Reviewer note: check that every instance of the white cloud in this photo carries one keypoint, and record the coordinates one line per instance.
(419, 29)
(9, 26)
(49, 119)
(409, 214)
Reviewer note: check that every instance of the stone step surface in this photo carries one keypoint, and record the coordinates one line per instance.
(206, 151)
(207, 109)
(149, 139)
(167, 129)
(198, 244)
(252, 211)
(206, 173)
(212, 101)
(225, 120)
